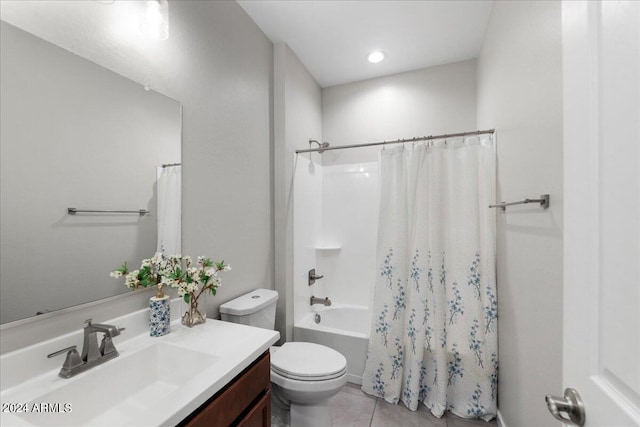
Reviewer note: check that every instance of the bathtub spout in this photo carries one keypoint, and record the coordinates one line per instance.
(316, 300)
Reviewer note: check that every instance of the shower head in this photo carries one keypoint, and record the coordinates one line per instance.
(321, 146)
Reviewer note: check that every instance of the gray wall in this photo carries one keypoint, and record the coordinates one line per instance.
(219, 65)
(297, 118)
(429, 101)
(520, 94)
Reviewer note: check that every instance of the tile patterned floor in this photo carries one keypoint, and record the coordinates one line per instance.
(353, 408)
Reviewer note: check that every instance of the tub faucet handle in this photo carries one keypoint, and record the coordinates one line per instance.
(313, 277)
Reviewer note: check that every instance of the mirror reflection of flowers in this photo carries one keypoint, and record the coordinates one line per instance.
(175, 271)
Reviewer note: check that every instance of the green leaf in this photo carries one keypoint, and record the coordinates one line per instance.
(123, 269)
(204, 277)
(187, 298)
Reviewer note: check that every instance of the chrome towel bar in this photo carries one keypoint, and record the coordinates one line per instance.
(543, 201)
(73, 211)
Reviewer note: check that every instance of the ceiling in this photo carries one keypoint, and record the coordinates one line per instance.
(332, 38)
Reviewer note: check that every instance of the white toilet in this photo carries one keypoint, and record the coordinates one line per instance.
(303, 375)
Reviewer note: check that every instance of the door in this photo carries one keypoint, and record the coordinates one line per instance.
(601, 54)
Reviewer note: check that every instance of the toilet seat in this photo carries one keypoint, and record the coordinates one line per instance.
(303, 361)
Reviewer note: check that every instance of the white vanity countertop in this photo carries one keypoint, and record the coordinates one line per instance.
(104, 396)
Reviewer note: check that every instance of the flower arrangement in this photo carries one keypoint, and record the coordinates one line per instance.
(155, 271)
(176, 271)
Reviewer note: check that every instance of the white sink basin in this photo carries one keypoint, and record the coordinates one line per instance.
(156, 381)
(124, 388)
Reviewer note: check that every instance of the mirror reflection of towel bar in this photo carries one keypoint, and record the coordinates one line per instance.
(543, 200)
(73, 211)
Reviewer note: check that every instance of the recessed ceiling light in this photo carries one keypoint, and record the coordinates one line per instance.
(376, 56)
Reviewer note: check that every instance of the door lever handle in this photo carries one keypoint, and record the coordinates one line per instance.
(571, 404)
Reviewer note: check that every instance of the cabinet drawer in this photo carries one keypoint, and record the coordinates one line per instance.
(243, 394)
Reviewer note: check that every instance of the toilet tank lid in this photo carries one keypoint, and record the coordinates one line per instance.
(249, 303)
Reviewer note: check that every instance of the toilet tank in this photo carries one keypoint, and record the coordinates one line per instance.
(257, 308)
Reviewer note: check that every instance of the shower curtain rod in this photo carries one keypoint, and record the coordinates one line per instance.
(399, 141)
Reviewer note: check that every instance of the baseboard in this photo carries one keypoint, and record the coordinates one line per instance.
(354, 379)
(501, 422)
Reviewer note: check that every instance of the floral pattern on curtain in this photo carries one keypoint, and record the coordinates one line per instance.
(434, 327)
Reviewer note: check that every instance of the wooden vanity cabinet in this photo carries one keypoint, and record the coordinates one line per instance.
(244, 402)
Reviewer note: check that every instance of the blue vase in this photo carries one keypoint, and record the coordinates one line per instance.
(159, 316)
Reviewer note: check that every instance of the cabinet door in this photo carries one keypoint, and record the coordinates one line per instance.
(260, 415)
(237, 398)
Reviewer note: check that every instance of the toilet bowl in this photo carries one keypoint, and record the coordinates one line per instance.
(303, 375)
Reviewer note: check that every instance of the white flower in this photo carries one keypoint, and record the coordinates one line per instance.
(159, 269)
(131, 281)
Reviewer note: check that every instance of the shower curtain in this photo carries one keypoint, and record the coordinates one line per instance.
(434, 326)
(169, 187)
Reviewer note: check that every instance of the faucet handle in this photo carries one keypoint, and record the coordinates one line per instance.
(107, 347)
(313, 277)
(72, 361)
(88, 322)
(59, 352)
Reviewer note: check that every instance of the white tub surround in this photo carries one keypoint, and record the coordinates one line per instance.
(218, 352)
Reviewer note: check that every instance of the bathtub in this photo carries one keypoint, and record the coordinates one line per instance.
(344, 328)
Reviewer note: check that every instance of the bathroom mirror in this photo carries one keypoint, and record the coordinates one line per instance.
(75, 135)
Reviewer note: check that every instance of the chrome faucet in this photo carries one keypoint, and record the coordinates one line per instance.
(92, 355)
(315, 300)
